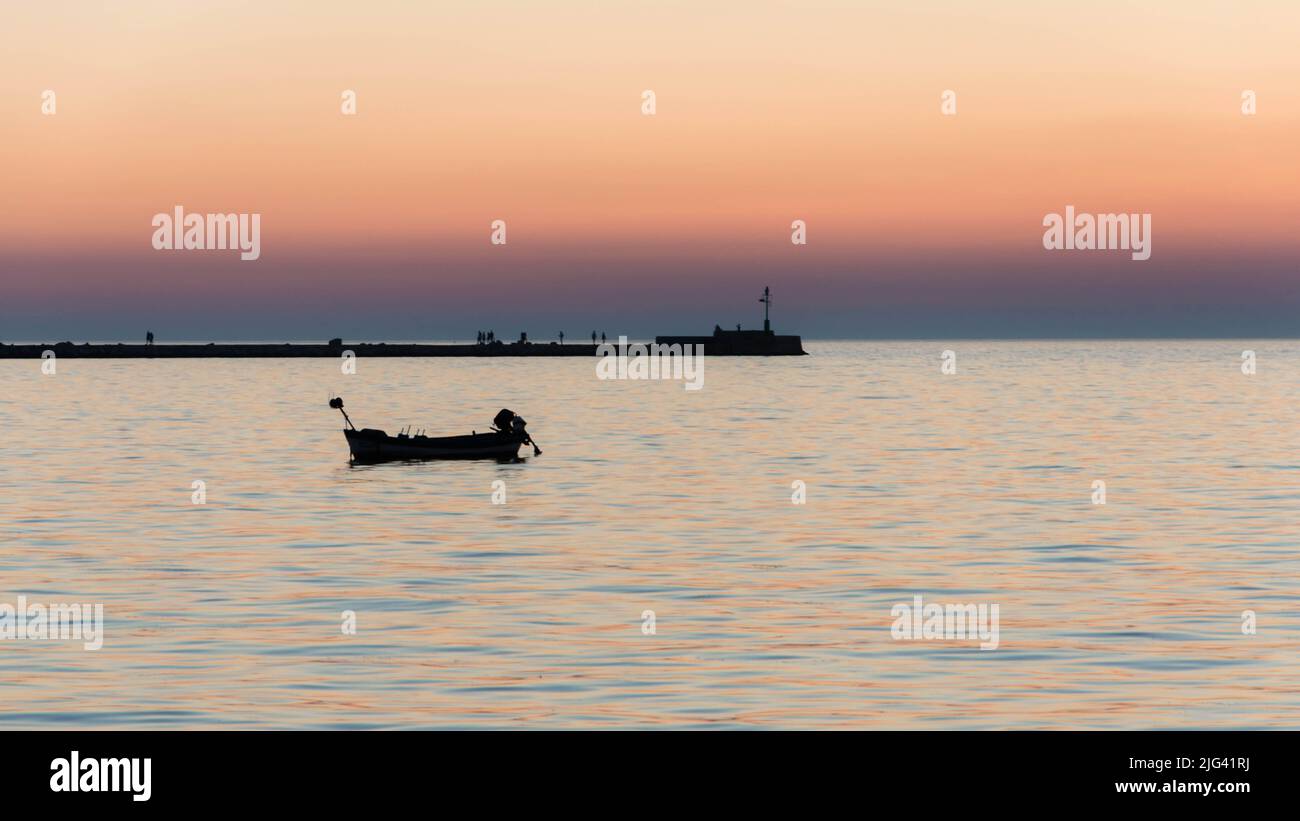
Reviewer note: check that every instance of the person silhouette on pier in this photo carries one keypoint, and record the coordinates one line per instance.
(561, 337)
(148, 337)
(602, 337)
(593, 337)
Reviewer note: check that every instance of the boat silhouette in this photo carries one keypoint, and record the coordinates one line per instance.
(372, 445)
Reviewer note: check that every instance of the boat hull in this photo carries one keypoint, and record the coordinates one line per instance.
(376, 446)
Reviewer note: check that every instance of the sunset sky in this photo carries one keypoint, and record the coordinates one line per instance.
(376, 226)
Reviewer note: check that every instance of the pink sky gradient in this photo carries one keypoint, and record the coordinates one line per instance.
(377, 224)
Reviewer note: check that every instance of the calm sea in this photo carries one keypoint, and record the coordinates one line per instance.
(974, 488)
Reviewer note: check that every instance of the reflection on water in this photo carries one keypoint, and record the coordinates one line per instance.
(974, 487)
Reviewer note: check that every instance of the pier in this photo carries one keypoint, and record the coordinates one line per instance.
(727, 346)
(720, 343)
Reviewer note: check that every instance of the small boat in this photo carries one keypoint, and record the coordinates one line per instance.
(371, 445)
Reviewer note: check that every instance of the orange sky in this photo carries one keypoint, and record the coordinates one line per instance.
(766, 112)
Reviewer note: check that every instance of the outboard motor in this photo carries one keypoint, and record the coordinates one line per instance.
(512, 424)
(503, 419)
